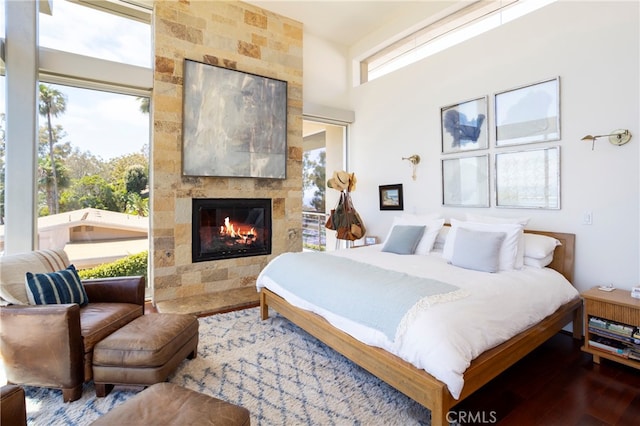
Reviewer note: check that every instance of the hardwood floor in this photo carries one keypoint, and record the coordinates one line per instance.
(149, 308)
(557, 384)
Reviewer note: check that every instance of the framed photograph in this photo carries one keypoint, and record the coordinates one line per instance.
(528, 179)
(465, 181)
(234, 123)
(370, 241)
(391, 197)
(528, 114)
(464, 126)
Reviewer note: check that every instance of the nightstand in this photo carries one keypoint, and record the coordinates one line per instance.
(607, 317)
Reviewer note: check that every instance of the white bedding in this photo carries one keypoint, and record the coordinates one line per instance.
(444, 338)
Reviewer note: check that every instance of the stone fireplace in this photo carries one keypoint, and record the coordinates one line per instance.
(240, 36)
(225, 228)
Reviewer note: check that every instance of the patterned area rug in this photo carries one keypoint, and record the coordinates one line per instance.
(277, 371)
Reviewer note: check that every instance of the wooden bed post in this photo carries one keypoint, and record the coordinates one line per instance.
(440, 408)
(264, 307)
(578, 323)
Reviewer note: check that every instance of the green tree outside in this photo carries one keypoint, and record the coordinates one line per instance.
(81, 164)
(136, 179)
(46, 183)
(145, 104)
(51, 179)
(52, 103)
(137, 205)
(133, 166)
(314, 179)
(89, 191)
(70, 179)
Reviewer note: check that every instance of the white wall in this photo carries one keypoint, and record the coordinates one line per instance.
(325, 73)
(594, 48)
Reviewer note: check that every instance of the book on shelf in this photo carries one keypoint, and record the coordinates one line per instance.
(614, 327)
(609, 345)
(614, 335)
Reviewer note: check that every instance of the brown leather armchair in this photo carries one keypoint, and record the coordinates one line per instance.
(52, 345)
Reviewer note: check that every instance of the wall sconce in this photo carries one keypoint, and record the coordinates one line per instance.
(617, 137)
(414, 160)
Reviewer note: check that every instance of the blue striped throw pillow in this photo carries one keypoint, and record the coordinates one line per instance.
(56, 287)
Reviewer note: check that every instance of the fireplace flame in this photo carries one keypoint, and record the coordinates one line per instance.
(228, 229)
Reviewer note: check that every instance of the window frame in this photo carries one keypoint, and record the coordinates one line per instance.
(473, 19)
(59, 67)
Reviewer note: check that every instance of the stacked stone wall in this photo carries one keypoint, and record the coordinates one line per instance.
(246, 38)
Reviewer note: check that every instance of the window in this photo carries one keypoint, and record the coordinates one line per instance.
(2, 116)
(83, 30)
(324, 144)
(93, 134)
(2, 153)
(100, 139)
(468, 22)
(99, 145)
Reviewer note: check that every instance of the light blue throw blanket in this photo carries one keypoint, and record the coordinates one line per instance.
(376, 297)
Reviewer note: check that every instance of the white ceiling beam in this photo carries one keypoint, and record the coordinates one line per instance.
(69, 69)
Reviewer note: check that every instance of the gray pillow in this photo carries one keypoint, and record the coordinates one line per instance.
(404, 239)
(477, 250)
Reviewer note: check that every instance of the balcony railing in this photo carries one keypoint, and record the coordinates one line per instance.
(313, 231)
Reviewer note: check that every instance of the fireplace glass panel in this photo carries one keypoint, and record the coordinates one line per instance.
(226, 228)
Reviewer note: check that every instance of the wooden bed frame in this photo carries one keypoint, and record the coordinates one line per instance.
(418, 384)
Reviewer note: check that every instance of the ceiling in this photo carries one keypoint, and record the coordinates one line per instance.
(347, 22)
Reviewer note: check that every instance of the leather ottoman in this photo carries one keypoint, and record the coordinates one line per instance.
(169, 404)
(145, 351)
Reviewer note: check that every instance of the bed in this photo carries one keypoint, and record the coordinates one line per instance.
(415, 382)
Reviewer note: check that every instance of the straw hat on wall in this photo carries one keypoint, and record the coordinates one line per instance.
(342, 181)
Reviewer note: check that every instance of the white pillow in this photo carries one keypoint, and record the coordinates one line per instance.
(433, 226)
(441, 238)
(538, 263)
(477, 250)
(471, 217)
(539, 246)
(429, 237)
(508, 249)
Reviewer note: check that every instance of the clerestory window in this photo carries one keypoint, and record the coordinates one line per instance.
(470, 21)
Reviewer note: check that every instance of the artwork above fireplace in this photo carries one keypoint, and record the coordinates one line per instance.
(225, 228)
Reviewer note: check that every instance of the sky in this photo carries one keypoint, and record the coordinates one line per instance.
(108, 125)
